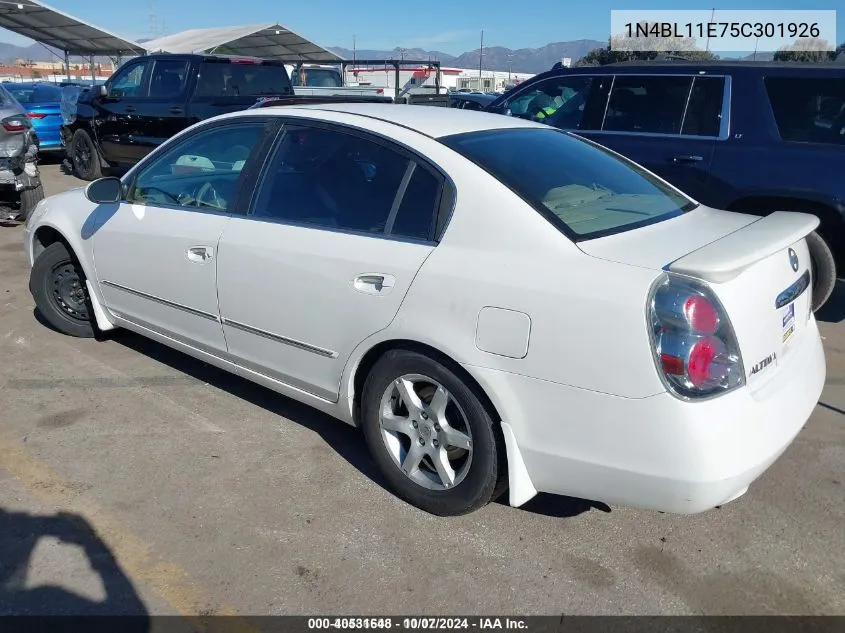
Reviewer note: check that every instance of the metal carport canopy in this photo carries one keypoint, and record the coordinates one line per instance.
(270, 41)
(64, 32)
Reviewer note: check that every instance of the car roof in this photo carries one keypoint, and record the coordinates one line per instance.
(432, 121)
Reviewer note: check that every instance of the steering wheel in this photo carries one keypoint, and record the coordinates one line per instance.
(207, 196)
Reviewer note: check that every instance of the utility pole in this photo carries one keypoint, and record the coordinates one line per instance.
(510, 65)
(353, 50)
(712, 14)
(480, 58)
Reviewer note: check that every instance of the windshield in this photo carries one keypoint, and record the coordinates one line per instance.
(316, 78)
(582, 188)
(35, 94)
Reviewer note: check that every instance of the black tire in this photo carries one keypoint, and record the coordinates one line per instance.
(30, 198)
(54, 282)
(485, 476)
(85, 157)
(823, 269)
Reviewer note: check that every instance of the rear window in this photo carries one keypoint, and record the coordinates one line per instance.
(316, 78)
(221, 79)
(35, 94)
(582, 188)
(808, 110)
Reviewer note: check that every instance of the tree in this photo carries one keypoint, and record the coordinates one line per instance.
(807, 50)
(36, 74)
(621, 48)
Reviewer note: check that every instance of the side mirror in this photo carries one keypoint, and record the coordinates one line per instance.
(105, 190)
(103, 90)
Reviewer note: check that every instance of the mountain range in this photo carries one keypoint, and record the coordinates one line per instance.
(522, 60)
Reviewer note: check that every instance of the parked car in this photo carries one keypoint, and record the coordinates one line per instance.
(20, 179)
(150, 98)
(751, 137)
(42, 102)
(495, 302)
(323, 80)
(470, 100)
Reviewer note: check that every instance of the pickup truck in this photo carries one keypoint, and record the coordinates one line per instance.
(152, 97)
(322, 81)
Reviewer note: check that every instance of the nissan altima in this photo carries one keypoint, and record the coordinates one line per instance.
(498, 305)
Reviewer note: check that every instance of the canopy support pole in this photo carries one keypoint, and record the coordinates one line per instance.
(67, 65)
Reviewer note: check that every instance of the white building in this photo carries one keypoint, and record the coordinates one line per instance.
(411, 78)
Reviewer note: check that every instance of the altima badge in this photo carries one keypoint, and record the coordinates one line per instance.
(793, 260)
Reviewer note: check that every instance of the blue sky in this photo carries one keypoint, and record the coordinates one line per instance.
(451, 26)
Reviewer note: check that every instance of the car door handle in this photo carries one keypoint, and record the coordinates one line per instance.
(176, 110)
(129, 109)
(373, 283)
(200, 254)
(687, 158)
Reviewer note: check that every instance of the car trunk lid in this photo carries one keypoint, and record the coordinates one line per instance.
(758, 268)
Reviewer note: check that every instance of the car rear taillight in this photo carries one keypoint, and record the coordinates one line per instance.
(379, 91)
(36, 115)
(15, 124)
(694, 344)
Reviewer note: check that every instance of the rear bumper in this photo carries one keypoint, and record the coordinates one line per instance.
(659, 452)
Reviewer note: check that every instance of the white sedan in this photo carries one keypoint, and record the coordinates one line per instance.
(499, 305)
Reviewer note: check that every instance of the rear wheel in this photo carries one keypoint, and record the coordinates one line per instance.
(57, 282)
(822, 269)
(84, 157)
(431, 436)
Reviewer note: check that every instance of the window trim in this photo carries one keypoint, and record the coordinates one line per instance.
(724, 122)
(238, 207)
(446, 196)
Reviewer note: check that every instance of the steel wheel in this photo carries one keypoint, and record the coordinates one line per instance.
(69, 292)
(426, 432)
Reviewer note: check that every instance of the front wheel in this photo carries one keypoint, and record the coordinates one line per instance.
(58, 286)
(85, 157)
(822, 269)
(431, 436)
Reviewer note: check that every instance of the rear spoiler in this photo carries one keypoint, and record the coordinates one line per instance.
(725, 259)
(317, 99)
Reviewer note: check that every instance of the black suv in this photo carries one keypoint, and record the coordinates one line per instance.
(151, 98)
(743, 136)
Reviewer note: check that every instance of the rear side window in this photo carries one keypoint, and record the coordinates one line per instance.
(233, 79)
(582, 188)
(168, 78)
(808, 110)
(647, 104)
(331, 179)
(704, 112)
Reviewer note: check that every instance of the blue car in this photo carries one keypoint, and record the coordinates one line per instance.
(42, 102)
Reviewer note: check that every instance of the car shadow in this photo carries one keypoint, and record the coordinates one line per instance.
(21, 532)
(346, 441)
(833, 311)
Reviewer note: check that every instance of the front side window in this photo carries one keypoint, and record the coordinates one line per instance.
(128, 82)
(808, 110)
(335, 180)
(201, 172)
(582, 188)
(560, 101)
(647, 104)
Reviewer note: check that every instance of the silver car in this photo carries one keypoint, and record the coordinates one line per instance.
(20, 181)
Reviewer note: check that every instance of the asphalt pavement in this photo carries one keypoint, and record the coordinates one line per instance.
(134, 479)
